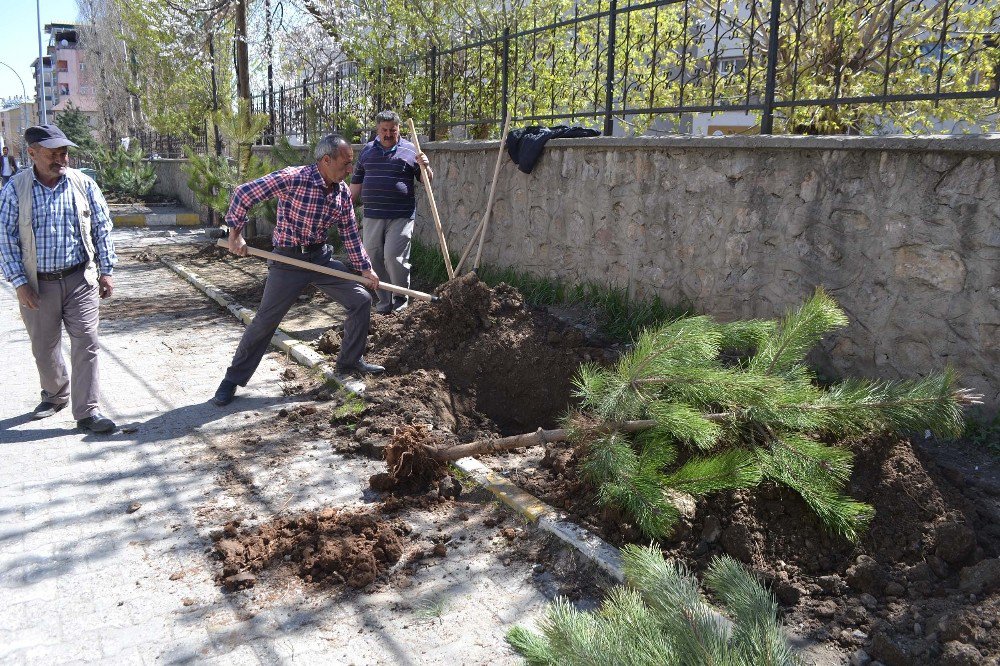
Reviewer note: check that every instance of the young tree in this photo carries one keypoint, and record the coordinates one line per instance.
(698, 407)
(76, 124)
(734, 404)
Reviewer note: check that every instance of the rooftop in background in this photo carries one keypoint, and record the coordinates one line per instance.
(85, 103)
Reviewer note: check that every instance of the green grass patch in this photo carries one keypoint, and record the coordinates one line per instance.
(984, 434)
(620, 318)
(352, 405)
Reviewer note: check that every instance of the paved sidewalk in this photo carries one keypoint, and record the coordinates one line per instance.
(83, 580)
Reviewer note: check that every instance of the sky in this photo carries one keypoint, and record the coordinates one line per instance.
(19, 41)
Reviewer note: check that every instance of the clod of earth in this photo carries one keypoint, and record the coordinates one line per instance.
(328, 546)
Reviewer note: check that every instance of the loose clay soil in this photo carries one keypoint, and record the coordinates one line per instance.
(921, 587)
(339, 546)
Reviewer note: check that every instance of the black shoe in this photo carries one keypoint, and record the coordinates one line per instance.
(96, 423)
(224, 394)
(361, 367)
(45, 409)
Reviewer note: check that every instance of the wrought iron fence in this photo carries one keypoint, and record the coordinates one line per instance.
(168, 146)
(792, 66)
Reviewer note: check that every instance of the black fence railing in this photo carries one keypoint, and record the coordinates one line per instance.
(167, 146)
(691, 66)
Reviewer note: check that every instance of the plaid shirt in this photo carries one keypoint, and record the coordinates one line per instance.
(57, 229)
(306, 210)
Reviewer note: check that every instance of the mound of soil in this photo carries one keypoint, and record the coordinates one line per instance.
(517, 362)
(330, 546)
(920, 587)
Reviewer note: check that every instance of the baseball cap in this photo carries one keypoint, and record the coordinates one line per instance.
(48, 136)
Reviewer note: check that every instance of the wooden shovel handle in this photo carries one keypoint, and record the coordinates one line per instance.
(264, 254)
(430, 198)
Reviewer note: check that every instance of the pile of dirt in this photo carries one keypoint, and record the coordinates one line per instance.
(516, 362)
(921, 586)
(330, 546)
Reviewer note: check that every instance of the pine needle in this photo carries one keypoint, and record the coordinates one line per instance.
(797, 333)
(700, 476)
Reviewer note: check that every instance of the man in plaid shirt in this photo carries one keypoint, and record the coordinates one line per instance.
(311, 199)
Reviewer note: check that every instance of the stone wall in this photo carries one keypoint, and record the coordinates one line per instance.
(904, 233)
(172, 182)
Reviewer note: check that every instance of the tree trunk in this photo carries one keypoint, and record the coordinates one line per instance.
(542, 437)
(242, 54)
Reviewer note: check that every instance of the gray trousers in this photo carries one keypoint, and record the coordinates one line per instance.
(73, 303)
(388, 244)
(284, 284)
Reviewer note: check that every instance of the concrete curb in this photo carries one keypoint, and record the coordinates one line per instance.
(591, 546)
(155, 220)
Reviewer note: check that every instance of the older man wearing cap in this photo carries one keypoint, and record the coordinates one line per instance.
(56, 250)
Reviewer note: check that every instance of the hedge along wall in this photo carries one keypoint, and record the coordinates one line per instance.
(903, 232)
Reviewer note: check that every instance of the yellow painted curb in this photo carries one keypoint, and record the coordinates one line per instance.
(188, 219)
(129, 220)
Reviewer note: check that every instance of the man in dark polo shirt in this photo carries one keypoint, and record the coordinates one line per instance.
(383, 182)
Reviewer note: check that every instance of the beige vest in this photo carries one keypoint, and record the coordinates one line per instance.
(23, 183)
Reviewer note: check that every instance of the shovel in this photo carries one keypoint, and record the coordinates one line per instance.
(221, 234)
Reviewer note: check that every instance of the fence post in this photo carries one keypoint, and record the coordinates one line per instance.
(337, 83)
(305, 112)
(281, 105)
(767, 120)
(505, 68)
(609, 123)
(433, 104)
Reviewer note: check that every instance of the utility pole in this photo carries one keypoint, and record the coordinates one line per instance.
(43, 116)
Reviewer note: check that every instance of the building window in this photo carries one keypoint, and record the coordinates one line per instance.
(731, 66)
(82, 68)
(63, 88)
(62, 66)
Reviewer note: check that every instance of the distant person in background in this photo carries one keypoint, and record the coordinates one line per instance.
(9, 167)
(383, 183)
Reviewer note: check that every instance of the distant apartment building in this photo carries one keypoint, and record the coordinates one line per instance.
(65, 75)
(12, 126)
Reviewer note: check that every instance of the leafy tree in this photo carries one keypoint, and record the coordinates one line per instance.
(76, 124)
(154, 64)
(661, 618)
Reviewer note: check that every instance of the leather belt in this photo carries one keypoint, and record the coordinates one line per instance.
(299, 249)
(59, 275)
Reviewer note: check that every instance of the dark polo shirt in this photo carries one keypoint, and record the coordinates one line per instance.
(386, 178)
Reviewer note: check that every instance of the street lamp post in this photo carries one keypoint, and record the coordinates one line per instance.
(24, 112)
(44, 118)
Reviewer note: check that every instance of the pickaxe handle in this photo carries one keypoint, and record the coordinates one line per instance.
(403, 291)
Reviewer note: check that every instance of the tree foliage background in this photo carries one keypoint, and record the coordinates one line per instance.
(155, 64)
